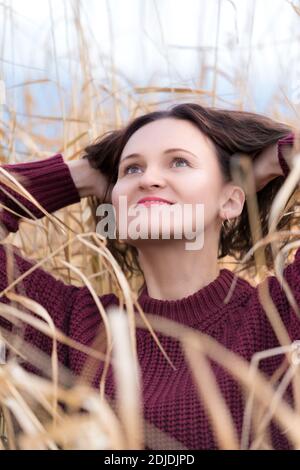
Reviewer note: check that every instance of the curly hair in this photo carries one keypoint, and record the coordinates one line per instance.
(231, 132)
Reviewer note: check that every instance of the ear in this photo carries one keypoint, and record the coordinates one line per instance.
(232, 201)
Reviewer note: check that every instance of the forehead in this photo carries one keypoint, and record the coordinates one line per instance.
(167, 133)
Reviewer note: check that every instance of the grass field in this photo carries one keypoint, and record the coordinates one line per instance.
(61, 110)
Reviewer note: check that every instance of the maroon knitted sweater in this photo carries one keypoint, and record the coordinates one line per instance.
(170, 397)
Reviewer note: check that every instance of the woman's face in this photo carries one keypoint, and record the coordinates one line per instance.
(172, 160)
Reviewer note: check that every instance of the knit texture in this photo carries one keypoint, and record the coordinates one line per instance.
(170, 397)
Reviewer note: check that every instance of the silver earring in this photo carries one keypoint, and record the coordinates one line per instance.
(223, 223)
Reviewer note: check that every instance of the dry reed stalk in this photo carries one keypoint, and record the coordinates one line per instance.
(72, 430)
(212, 399)
(127, 375)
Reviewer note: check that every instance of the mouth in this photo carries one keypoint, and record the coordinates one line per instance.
(149, 201)
(153, 203)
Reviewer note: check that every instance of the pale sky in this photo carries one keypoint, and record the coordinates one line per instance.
(160, 42)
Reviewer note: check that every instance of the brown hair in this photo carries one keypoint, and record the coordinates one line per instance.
(231, 132)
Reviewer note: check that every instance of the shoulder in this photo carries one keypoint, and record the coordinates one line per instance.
(269, 313)
(85, 297)
(88, 311)
(248, 326)
(253, 294)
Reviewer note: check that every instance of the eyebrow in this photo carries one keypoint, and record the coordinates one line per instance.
(132, 155)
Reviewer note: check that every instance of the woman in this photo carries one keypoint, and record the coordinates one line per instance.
(183, 285)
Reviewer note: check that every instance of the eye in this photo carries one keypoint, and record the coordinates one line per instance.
(127, 169)
(126, 172)
(180, 160)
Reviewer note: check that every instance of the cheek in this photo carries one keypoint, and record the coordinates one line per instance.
(118, 190)
(114, 195)
(121, 188)
(204, 189)
(201, 188)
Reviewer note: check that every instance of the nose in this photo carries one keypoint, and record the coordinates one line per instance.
(151, 178)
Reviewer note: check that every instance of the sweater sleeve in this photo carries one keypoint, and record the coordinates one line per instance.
(287, 141)
(52, 294)
(70, 307)
(51, 183)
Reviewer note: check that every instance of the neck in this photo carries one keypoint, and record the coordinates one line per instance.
(171, 272)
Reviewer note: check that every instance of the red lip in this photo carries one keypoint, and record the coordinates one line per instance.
(153, 198)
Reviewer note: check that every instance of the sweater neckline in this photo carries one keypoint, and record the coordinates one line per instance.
(201, 308)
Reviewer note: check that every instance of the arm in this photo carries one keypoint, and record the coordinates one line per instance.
(56, 297)
(49, 181)
(54, 184)
(273, 161)
(291, 272)
(285, 146)
(88, 181)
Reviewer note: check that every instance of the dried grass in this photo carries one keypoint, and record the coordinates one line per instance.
(59, 411)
